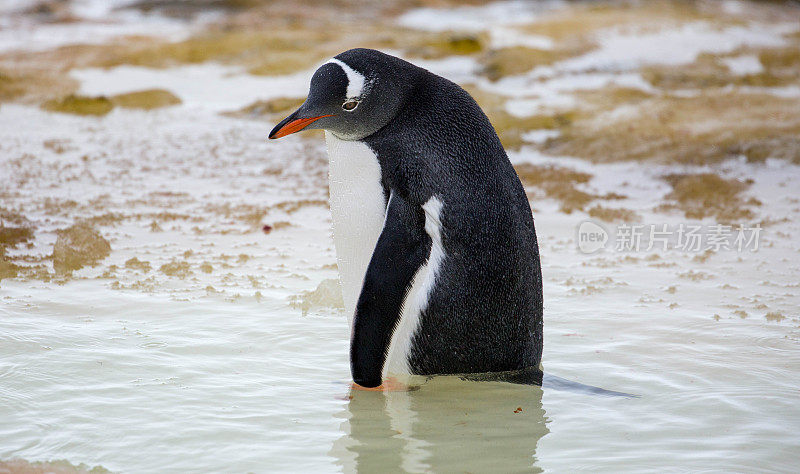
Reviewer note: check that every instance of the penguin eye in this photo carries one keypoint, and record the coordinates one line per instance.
(350, 105)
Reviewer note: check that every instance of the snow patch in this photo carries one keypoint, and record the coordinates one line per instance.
(208, 86)
(475, 18)
(625, 51)
(743, 65)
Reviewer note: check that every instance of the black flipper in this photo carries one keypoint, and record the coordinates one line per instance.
(401, 249)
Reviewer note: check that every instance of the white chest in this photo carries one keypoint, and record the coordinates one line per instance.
(358, 210)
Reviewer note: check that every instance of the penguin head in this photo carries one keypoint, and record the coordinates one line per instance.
(353, 95)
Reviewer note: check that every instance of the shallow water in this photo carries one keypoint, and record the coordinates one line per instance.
(216, 367)
(120, 378)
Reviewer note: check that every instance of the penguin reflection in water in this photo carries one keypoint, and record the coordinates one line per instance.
(434, 235)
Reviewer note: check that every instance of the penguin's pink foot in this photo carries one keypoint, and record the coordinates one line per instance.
(391, 384)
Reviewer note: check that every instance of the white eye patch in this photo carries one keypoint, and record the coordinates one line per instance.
(355, 80)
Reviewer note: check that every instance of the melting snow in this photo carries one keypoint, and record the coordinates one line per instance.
(209, 86)
(475, 18)
(626, 51)
(742, 65)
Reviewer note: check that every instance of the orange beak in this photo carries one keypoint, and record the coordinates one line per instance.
(294, 126)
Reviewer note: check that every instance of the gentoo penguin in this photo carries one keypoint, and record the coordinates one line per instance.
(433, 231)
